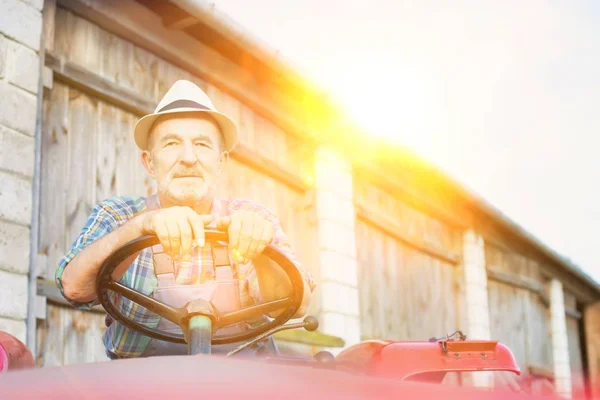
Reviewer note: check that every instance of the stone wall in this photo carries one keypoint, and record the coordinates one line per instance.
(20, 31)
(476, 292)
(340, 315)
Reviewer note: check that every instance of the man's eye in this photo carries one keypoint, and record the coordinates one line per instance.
(203, 144)
(170, 143)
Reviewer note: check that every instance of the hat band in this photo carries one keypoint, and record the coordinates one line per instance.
(183, 104)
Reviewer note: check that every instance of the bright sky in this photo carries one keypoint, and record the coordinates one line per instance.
(504, 96)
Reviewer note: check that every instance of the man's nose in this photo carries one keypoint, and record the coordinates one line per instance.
(188, 156)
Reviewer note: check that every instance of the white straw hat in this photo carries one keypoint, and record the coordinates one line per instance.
(185, 96)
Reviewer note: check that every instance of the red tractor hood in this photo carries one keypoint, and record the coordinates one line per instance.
(427, 361)
(210, 377)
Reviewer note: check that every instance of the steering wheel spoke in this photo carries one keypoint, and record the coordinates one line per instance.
(175, 315)
(254, 311)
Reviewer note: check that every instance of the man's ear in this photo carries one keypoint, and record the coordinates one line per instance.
(148, 163)
(223, 158)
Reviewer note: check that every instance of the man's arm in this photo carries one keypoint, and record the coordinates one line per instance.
(79, 276)
(175, 228)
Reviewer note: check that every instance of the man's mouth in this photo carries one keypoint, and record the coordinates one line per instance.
(191, 175)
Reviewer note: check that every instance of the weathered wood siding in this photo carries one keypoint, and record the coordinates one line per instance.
(89, 155)
(519, 316)
(70, 336)
(405, 292)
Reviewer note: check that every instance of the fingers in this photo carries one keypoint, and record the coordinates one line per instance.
(267, 237)
(247, 226)
(185, 231)
(223, 223)
(249, 234)
(198, 222)
(177, 228)
(235, 229)
(259, 225)
(174, 238)
(161, 231)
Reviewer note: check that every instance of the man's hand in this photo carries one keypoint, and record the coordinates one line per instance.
(176, 228)
(249, 234)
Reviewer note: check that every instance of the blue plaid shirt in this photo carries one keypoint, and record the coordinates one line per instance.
(110, 214)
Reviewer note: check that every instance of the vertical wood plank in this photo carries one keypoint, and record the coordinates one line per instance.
(106, 145)
(81, 171)
(109, 65)
(51, 350)
(129, 181)
(394, 313)
(126, 66)
(539, 347)
(83, 342)
(265, 138)
(386, 288)
(143, 65)
(121, 154)
(141, 183)
(575, 358)
(414, 267)
(281, 154)
(225, 103)
(365, 275)
(246, 126)
(61, 34)
(49, 15)
(81, 39)
(403, 273)
(54, 185)
(377, 269)
(507, 321)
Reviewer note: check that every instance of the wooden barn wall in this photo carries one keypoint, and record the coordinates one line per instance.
(89, 155)
(519, 316)
(69, 336)
(405, 293)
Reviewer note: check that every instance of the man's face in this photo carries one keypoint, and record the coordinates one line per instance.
(184, 156)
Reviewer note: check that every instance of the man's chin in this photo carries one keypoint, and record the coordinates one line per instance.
(188, 198)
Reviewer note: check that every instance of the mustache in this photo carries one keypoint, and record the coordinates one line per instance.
(188, 172)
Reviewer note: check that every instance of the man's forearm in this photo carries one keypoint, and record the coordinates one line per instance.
(79, 276)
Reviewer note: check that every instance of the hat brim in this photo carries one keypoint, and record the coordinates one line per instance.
(228, 127)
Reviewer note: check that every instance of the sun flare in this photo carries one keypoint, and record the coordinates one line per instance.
(393, 105)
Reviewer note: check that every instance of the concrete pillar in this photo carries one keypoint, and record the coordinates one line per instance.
(476, 293)
(560, 345)
(20, 34)
(337, 246)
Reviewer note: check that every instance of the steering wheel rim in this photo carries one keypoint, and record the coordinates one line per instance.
(179, 316)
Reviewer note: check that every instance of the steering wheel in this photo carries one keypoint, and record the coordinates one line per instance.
(181, 316)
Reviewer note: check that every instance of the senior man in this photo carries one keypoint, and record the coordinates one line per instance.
(185, 144)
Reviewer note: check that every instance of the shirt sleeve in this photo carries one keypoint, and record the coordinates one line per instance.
(280, 241)
(99, 223)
